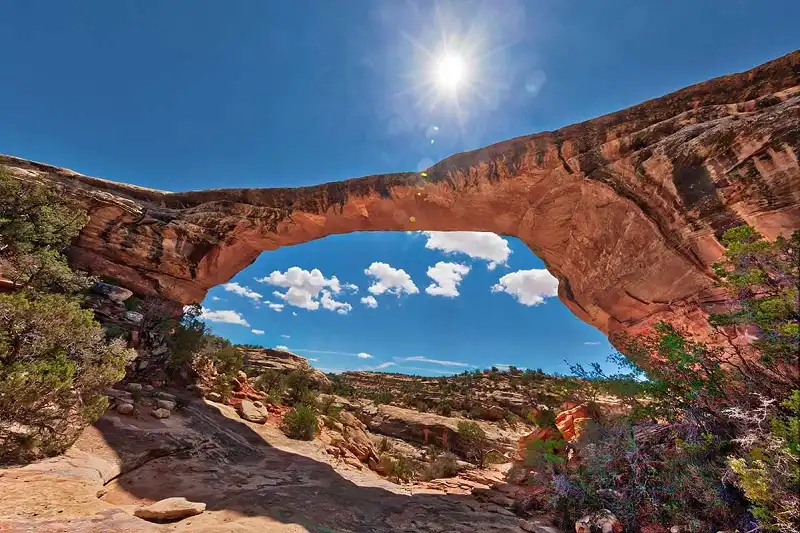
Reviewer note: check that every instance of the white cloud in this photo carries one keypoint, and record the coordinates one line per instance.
(294, 314)
(282, 348)
(350, 287)
(286, 336)
(387, 364)
(389, 279)
(215, 298)
(257, 331)
(303, 288)
(529, 287)
(225, 317)
(364, 355)
(275, 307)
(446, 277)
(476, 244)
(369, 301)
(592, 343)
(330, 304)
(241, 291)
(312, 359)
(422, 359)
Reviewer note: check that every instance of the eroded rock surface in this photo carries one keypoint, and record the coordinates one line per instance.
(250, 477)
(625, 209)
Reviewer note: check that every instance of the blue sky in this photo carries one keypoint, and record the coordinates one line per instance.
(192, 94)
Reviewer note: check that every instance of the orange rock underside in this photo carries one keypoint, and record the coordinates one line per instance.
(625, 209)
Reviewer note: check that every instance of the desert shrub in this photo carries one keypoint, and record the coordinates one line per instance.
(473, 442)
(270, 382)
(326, 405)
(384, 445)
(300, 385)
(399, 468)
(340, 386)
(383, 396)
(36, 224)
(444, 408)
(443, 465)
(223, 384)
(767, 465)
(300, 423)
(671, 482)
(187, 339)
(54, 364)
(765, 276)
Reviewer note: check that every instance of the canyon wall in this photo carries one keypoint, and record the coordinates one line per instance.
(625, 210)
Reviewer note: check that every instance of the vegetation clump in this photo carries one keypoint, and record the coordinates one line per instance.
(300, 423)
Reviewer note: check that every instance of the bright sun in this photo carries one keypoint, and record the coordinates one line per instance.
(450, 71)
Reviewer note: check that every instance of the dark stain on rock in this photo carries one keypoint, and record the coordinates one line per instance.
(692, 181)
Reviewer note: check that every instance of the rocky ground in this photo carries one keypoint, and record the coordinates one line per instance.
(249, 476)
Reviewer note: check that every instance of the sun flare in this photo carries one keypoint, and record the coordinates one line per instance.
(450, 71)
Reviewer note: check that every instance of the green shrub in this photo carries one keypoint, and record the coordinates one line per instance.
(54, 364)
(300, 423)
(766, 466)
(384, 445)
(443, 465)
(473, 442)
(399, 468)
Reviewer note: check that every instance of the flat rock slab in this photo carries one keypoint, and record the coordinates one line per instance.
(170, 509)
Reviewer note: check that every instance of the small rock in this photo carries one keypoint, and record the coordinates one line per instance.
(165, 404)
(148, 388)
(241, 376)
(112, 292)
(603, 520)
(164, 396)
(134, 387)
(143, 364)
(160, 350)
(248, 411)
(124, 408)
(258, 404)
(536, 526)
(214, 396)
(160, 413)
(134, 317)
(170, 509)
(675, 529)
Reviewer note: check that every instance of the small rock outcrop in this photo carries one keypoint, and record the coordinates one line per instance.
(170, 509)
(251, 412)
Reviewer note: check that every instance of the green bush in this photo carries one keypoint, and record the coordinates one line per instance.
(473, 442)
(767, 466)
(443, 465)
(300, 423)
(398, 468)
(54, 363)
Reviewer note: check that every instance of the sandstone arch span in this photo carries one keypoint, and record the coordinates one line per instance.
(624, 209)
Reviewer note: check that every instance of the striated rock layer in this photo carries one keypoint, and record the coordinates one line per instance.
(625, 209)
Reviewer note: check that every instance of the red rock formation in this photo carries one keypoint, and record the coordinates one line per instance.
(626, 209)
(571, 422)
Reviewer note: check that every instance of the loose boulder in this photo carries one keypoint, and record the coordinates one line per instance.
(170, 509)
(165, 404)
(248, 411)
(112, 292)
(160, 413)
(125, 408)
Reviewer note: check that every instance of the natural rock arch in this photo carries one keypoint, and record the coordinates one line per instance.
(625, 209)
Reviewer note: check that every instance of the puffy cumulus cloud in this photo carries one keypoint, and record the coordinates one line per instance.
(282, 348)
(294, 314)
(364, 355)
(304, 287)
(224, 316)
(476, 244)
(446, 277)
(529, 287)
(350, 287)
(257, 331)
(389, 279)
(442, 362)
(330, 304)
(241, 291)
(369, 301)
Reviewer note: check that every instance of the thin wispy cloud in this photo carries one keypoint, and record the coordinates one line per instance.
(441, 362)
(257, 331)
(224, 316)
(592, 343)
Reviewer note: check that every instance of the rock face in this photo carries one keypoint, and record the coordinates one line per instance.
(257, 360)
(625, 209)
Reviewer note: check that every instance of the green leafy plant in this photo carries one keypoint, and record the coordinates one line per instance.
(473, 442)
(300, 423)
